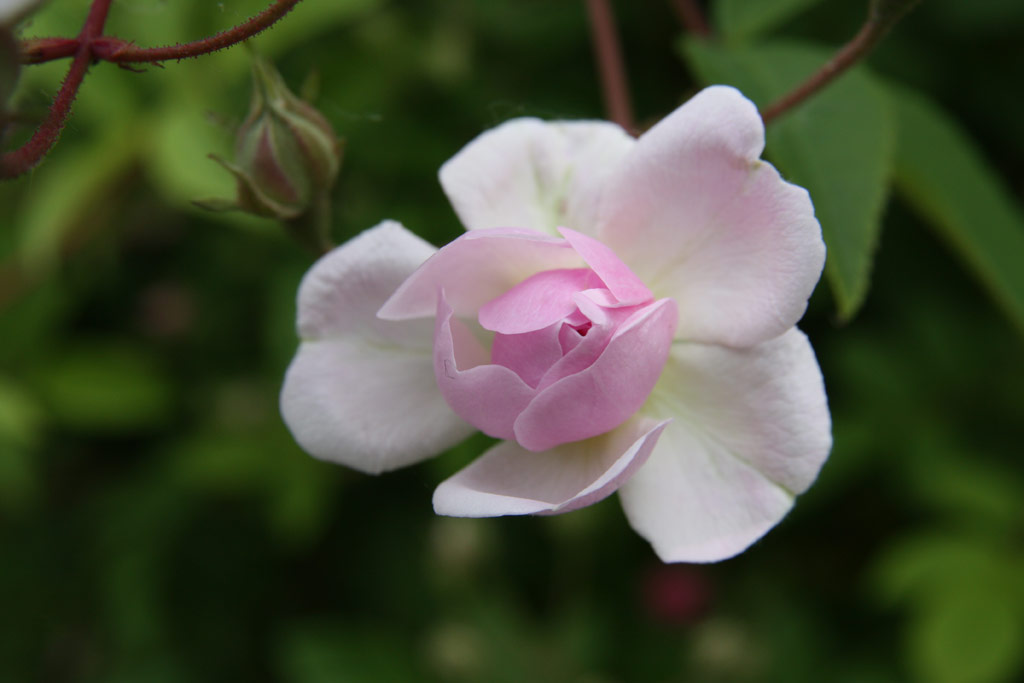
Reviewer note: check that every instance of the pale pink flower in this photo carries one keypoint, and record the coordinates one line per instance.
(620, 312)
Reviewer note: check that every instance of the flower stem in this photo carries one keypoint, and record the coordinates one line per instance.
(39, 50)
(882, 16)
(92, 45)
(16, 162)
(612, 70)
(692, 17)
(122, 52)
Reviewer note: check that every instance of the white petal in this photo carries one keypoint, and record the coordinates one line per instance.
(699, 218)
(530, 174)
(342, 292)
(510, 480)
(751, 429)
(361, 391)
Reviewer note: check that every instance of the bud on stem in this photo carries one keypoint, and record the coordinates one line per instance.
(287, 158)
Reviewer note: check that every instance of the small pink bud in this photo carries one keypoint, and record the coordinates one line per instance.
(287, 156)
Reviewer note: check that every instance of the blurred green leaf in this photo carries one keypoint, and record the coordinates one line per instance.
(21, 421)
(923, 568)
(967, 609)
(942, 174)
(20, 415)
(741, 20)
(308, 20)
(35, 315)
(332, 652)
(71, 194)
(971, 635)
(106, 386)
(263, 462)
(133, 559)
(838, 145)
(966, 487)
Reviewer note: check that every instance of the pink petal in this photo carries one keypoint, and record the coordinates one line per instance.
(538, 301)
(477, 267)
(699, 218)
(606, 393)
(569, 338)
(530, 354)
(509, 480)
(487, 396)
(361, 391)
(615, 274)
(534, 174)
(590, 347)
(752, 430)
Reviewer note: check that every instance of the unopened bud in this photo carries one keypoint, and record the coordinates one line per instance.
(287, 156)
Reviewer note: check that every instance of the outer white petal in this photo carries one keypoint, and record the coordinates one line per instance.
(510, 480)
(698, 217)
(751, 429)
(361, 391)
(531, 174)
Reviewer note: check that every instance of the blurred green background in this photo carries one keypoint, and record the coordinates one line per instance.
(157, 523)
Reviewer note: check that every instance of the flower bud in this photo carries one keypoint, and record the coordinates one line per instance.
(287, 156)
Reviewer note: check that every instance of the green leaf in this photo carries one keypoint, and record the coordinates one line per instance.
(969, 636)
(69, 195)
(106, 387)
(740, 20)
(941, 173)
(323, 652)
(838, 144)
(921, 569)
(966, 624)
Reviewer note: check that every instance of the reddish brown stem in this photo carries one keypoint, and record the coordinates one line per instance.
(610, 64)
(39, 50)
(692, 17)
(31, 153)
(91, 45)
(121, 52)
(882, 16)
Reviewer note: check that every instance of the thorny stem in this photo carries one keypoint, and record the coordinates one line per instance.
(31, 153)
(125, 53)
(39, 50)
(692, 17)
(92, 45)
(610, 64)
(882, 16)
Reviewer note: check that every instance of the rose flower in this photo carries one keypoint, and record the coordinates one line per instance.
(620, 312)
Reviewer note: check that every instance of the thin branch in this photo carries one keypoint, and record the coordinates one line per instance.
(39, 50)
(882, 16)
(110, 49)
(610, 64)
(19, 161)
(123, 52)
(691, 16)
(92, 45)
